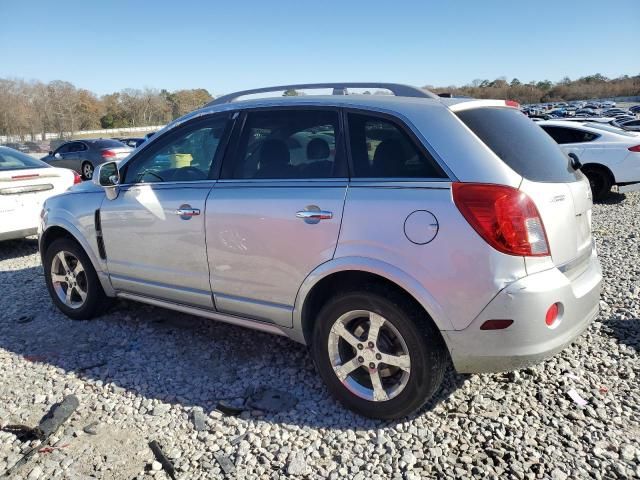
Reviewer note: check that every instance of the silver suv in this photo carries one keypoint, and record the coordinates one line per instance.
(391, 234)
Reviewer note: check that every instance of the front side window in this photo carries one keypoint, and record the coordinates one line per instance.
(382, 149)
(186, 155)
(288, 144)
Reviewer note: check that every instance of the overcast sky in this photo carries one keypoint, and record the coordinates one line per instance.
(225, 46)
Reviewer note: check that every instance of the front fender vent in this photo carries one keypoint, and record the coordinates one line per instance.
(101, 250)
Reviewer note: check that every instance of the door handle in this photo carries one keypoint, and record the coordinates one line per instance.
(187, 212)
(314, 215)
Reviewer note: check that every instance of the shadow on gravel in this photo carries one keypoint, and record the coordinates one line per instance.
(612, 199)
(10, 249)
(626, 331)
(159, 354)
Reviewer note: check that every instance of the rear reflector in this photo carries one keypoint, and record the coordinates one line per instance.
(635, 149)
(506, 218)
(108, 154)
(496, 324)
(552, 315)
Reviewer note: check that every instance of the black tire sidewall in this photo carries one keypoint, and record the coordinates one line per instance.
(95, 295)
(601, 179)
(426, 352)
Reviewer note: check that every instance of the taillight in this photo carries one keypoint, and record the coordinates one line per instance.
(76, 178)
(512, 103)
(506, 218)
(635, 149)
(108, 154)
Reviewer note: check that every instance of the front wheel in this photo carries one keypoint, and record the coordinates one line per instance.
(377, 353)
(72, 281)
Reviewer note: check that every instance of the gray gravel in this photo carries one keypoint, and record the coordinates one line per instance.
(143, 373)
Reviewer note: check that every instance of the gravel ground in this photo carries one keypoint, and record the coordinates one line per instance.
(144, 373)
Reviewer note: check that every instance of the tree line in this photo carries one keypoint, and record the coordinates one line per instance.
(591, 86)
(30, 108)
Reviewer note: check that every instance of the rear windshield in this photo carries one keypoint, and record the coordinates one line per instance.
(14, 160)
(520, 143)
(109, 143)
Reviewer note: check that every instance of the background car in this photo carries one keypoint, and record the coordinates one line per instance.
(631, 125)
(25, 183)
(609, 155)
(84, 155)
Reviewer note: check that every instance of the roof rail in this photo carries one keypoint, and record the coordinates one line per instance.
(338, 89)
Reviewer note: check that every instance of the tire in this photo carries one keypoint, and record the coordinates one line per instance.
(405, 390)
(600, 182)
(87, 170)
(83, 280)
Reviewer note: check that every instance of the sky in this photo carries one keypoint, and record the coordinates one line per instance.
(105, 46)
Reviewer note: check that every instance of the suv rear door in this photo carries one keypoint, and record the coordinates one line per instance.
(275, 214)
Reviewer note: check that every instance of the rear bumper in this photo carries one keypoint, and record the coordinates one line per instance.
(528, 340)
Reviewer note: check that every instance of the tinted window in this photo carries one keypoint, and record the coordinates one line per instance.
(186, 155)
(568, 135)
(109, 144)
(14, 160)
(63, 148)
(520, 143)
(382, 149)
(288, 144)
(76, 147)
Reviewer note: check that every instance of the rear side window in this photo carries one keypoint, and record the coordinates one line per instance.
(568, 135)
(382, 149)
(14, 160)
(520, 143)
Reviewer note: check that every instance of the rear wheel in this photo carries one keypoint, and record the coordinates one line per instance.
(87, 171)
(377, 353)
(600, 182)
(72, 281)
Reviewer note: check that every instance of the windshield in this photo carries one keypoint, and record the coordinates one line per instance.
(520, 143)
(11, 159)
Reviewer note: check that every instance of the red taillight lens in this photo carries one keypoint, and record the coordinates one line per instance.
(635, 149)
(76, 178)
(552, 315)
(506, 218)
(108, 154)
(512, 103)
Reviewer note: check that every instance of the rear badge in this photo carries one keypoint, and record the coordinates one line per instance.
(558, 198)
(421, 227)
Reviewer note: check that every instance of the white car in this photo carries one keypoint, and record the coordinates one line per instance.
(609, 155)
(25, 183)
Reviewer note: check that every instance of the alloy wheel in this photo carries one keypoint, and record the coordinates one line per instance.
(69, 279)
(369, 356)
(87, 171)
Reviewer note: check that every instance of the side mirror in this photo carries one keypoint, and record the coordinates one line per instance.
(107, 176)
(50, 152)
(57, 156)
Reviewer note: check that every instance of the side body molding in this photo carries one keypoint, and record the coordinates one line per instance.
(369, 265)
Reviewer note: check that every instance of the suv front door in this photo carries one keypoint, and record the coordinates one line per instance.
(275, 214)
(154, 231)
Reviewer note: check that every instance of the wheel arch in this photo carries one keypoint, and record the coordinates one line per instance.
(56, 230)
(350, 272)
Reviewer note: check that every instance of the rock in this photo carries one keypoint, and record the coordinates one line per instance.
(298, 464)
(557, 474)
(271, 400)
(199, 420)
(156, 466)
